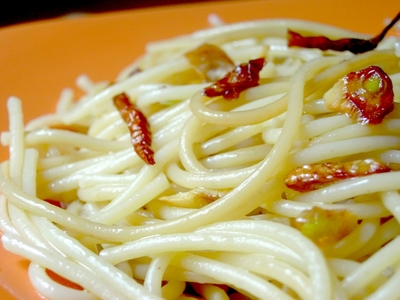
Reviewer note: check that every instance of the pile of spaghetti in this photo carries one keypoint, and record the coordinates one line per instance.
(257, 160)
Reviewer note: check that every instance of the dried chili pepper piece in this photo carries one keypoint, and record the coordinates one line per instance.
(138, 127)
(325, 227)
(56, 203)
(347, 44)
(210, 61)
(366, 95)
(314, 176)
(239, 79)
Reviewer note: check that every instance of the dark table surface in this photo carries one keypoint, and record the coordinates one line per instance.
(17, 11)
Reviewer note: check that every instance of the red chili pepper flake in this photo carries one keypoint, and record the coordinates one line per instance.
(241, 78)
(314, 176)
(56, 203)
(210, 61)
(366, 95)
(347, 44)
(138, 126)
(63, 281)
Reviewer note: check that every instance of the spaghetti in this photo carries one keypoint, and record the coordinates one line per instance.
(212, 218)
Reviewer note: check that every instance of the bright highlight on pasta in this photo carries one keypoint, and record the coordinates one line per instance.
(224, 164)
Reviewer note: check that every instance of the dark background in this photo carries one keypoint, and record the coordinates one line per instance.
(16, 11)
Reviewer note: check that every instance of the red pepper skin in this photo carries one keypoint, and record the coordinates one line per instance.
(371, 107)
(56, 203)
(63, 281)
(241, 78)
(366, 95)
(347, 44)
(323, 43)
(314, 176)
(138, 127)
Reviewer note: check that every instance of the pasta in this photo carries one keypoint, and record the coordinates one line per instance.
(212, 218)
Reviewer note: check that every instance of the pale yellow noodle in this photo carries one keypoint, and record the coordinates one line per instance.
(154, 275)
(17, 142)
(367, 271)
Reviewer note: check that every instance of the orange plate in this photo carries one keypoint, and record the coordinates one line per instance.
(37, 60)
